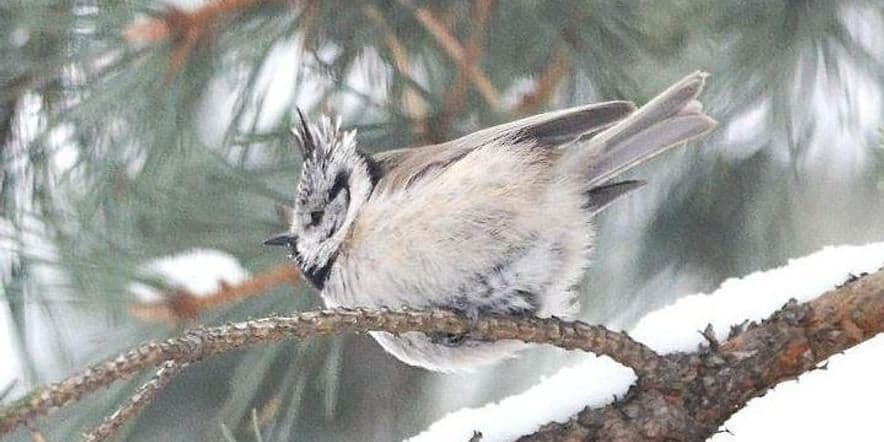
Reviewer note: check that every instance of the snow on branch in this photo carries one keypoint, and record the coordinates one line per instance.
(676, 396)
(676, 328)
(200, 343)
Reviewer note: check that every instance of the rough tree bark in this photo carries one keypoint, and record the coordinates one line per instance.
(690, 397)
(681, 396)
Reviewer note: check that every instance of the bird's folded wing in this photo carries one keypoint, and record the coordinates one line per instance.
(548, 130)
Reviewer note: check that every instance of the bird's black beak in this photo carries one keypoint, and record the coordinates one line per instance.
(284, 239)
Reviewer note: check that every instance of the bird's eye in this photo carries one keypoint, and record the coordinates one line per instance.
(315, 217)
(339, 185)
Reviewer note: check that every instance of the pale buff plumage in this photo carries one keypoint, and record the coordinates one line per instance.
(498, 221)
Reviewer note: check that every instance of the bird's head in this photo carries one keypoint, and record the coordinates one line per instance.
(336, 179)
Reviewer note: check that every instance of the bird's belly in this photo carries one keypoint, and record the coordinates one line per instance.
(537, 279)
(490, 242)
(530, 279)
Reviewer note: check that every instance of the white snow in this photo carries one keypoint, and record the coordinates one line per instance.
(754, 297)
(199, 271)
(596, 381)
(835, 404)
(842, 402)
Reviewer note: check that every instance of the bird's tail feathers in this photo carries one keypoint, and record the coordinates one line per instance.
(672, 118)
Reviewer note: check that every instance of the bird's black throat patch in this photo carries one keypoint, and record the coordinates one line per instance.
(316, 275)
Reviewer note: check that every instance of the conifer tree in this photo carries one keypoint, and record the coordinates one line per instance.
(136, 130)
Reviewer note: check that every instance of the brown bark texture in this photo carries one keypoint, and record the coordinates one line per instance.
(693, 394)
(680, 396)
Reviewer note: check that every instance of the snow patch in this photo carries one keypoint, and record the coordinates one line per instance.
(754, 297)
(199, 271)
(595, 381)
(824, 405)
(839, 403)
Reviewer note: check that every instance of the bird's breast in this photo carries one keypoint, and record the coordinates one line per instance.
(498, 225)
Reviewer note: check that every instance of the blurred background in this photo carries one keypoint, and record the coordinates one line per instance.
(144, 149)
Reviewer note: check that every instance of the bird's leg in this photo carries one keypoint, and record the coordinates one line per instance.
(462, 307)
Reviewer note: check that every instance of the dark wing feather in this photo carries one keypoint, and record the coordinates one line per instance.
(554, 129)
(602, 196)
(548, 130)
(670, 119)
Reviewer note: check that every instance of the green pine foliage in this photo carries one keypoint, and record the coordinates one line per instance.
(113, 154)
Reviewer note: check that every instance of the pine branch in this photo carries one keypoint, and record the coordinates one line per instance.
(186, 29)
(678, 396)
(185, 306)
(412, 102)
(475, 45)
(547, 83)
(140, 399)
(692, 395)
(200, 343)
(457, 53)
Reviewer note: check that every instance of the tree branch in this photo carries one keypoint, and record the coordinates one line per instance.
(547, 83)
(456, 52)
(186, 28)
(454, 99)
(412, 102)
(677, 396)
(183, 305)
(690, 397)
(142, 397)
(197, 344)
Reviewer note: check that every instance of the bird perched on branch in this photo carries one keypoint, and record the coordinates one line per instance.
(498, 221)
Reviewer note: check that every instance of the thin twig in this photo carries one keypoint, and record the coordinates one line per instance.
(456, 52)
(140, 399)
(183, 305)
(199, 343)
(186, 28)
(7, 389)
(454, 99)
(415, 106)
(547, 83)
(676, 396)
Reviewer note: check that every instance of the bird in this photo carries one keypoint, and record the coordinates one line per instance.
(499, 221)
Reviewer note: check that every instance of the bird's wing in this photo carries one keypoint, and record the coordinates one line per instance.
(553, 129)
(549, 130)
(671, 119)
